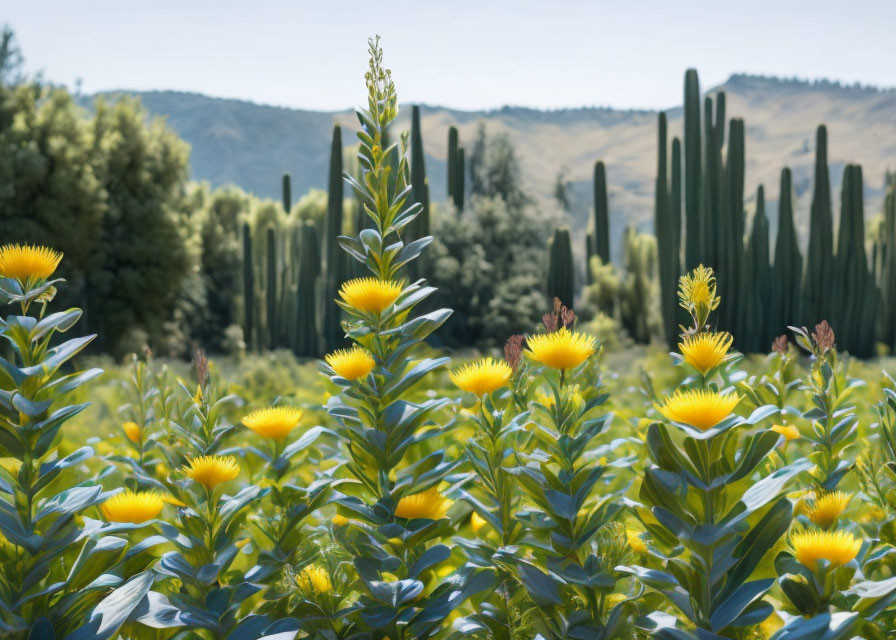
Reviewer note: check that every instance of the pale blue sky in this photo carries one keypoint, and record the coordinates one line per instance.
(460, 53)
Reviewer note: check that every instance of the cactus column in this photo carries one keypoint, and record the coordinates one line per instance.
(333, 256)
(601, 214)
(270, 288)
(666, 249)
(820, 256)
(307, 338)
(693, 170)
(249, 331)
(560, 268)
(287, 193)
(419, 184)
(788, 268)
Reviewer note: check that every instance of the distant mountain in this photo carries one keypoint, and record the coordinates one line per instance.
(252, 145)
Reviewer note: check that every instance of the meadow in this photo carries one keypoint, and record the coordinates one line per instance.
(399, 490)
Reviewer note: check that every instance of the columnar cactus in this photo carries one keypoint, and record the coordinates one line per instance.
(560, 268)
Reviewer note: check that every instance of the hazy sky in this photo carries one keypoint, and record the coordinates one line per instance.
(461, 53)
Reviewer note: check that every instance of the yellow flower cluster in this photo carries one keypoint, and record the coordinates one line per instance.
(369, 295)
(429, 504)
(351, 364)
(705, 351)
(273, 422)
(210, 471)
(561, 349)
(483, 376)
(314, 579)
(133, 507)
(837, 547)
(700, 408)
(826, 509)
(28, 262)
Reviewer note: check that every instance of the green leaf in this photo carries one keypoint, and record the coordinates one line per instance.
(112, 612)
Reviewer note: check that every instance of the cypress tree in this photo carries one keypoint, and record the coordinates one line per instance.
(788, 268)
(560, 269)
(601, 214)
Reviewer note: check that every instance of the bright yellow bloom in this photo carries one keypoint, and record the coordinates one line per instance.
(826, 509)
(339, 520)
(705, 351)
(476, 523)
(547, 399)
(314, 579)
(172, 501)
(28, 262)
(133, 431)
(370, 295)
(352, 363)
(210, 471)
(837, 547)
(562, 349)
(635, 543)
(429, 504)
(482, 376)
(789, 431)
(130, 506)
(699, 408)
(273, 422)
(698, 289)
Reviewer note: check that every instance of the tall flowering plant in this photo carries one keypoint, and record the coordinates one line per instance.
(394, 517)
(62, 573)
(711, 512)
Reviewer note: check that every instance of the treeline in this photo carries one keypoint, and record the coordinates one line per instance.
(156, 260)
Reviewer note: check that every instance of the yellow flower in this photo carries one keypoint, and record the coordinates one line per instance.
(562, 349)
(635, 542)
(130, 506)
(826, 509)
(339, 520)
(210, 471)
(482, 376)
(133, 431)
(699, 408)
(314, 579)
(476, 523)
(273, 422)
(705, 351)
(789, 431)
(697, 289)
(547, 399)
(370, 295)
(28, 262)
(837, 547)
(430, 504)
(173, 501)
(352, 363)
